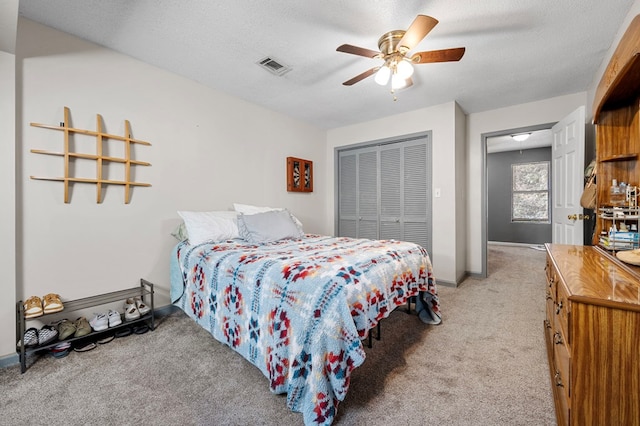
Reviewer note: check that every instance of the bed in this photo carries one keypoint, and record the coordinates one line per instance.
(298, 307)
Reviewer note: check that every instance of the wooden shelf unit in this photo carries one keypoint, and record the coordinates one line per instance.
(617, 119)
(98, 157)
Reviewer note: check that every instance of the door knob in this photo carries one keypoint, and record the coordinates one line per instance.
(583, 216)
(572, 217)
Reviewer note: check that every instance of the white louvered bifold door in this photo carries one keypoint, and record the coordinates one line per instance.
(391, 193)
(416, 200)
(385, 192)
(368, 194)
(348, 195)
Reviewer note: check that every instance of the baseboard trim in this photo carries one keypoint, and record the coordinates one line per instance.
(8, 360)
(506, 243)
(475, 275)
(446, 283)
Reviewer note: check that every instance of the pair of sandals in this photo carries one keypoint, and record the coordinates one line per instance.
(135, 308)
(49, 304)
(126, 331)
(34, 337)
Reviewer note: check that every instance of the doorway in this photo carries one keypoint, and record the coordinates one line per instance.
(500, 135)
(519, 188)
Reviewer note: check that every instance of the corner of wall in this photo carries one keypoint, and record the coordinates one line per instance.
(460, 120)
(8, 27)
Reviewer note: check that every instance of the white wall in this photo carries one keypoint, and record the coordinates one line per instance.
(529, 114)
(8, 19)
(441, 120)
(208, 151)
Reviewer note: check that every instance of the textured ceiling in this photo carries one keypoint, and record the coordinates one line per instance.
(516, 51)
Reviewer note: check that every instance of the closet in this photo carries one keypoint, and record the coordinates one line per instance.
(384, 190)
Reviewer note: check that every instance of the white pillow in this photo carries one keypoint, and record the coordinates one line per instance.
(268, 226)
(249, 209)
(210, 226)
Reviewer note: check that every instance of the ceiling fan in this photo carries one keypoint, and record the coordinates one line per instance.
(394, 50)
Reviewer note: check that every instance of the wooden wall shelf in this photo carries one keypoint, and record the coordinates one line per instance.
(98, 157)
(620, 82)
(617, 124)
(620, 157)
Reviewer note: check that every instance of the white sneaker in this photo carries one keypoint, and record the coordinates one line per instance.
(99, 322)
(114, 318)
(131, 312)
(142, 307)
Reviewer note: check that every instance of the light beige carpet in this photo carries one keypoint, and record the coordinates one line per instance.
(484, 365)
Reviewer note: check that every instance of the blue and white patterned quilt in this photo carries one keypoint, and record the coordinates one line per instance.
(298, 309)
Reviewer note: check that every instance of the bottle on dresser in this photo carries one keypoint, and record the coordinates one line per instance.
(616, 196)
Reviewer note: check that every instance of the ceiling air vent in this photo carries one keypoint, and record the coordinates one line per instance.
(273, 66)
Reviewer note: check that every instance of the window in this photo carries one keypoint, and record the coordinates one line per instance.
(530, 192)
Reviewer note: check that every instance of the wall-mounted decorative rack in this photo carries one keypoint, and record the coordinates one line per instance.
(98, 157)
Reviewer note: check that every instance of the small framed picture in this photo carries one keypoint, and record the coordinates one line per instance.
(299, 175)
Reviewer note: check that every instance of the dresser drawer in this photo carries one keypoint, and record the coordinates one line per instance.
(563, 410)
(549, 318)
(562, 361)
(563, 313)
(552, 276)
(562, 378)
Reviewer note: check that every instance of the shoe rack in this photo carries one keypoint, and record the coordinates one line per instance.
(144, 291)
(100, 139)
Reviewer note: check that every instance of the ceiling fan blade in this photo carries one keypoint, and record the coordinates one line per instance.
(419, 28)
(361, 51)
(444, 55)
(362, 76)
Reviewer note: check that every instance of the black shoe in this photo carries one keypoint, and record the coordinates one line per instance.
(123, 332)
(141, 329)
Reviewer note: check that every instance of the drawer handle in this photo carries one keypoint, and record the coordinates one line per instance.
(559, 307)
(558, 379)
(547, 323)
(557, 338)
(548, 294)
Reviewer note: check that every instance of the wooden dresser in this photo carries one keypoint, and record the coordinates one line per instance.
(592, 331)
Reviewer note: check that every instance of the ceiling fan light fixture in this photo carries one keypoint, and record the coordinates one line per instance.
(394, 47)
(397, 82)
(521, 137)
(404, 69)
(383, 74)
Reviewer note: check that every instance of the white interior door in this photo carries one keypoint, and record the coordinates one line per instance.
(568, 179)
